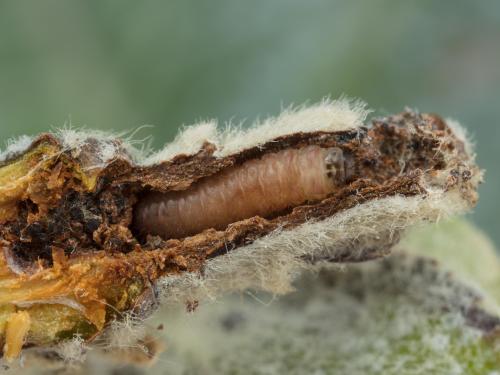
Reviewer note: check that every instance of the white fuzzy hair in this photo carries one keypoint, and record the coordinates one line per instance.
(327, 115)
(272, 263)
(15, 146)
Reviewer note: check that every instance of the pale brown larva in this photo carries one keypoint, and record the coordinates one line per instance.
(258, 187)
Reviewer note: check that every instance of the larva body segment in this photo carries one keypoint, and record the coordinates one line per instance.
(258, 187)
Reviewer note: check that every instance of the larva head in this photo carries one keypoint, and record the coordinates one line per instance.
(340, 165)
(71, 213)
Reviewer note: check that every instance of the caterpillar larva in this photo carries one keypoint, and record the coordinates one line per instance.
(260, 187)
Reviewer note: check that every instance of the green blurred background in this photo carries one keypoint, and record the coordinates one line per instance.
(122, 64)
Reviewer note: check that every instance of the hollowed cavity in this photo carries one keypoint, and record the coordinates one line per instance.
(283, 183)
(258, 187)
